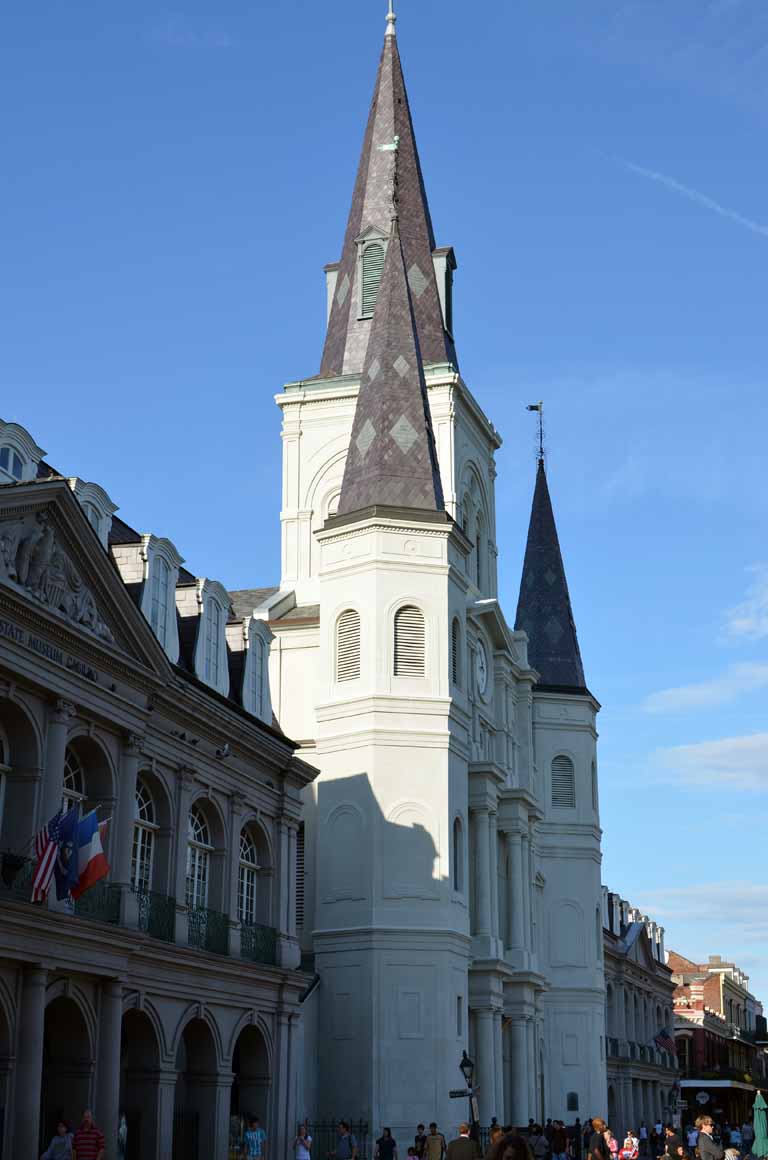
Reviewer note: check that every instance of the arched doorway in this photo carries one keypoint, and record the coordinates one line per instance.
(5, 1067)
(252, 1078)
(194, 1119)
(67, 1066)
(139, 1067)
(19, 771)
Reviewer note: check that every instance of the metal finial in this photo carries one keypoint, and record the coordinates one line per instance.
(540, 408)
(391, 18)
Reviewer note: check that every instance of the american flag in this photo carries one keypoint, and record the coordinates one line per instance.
(46, 849)
(665, 1042)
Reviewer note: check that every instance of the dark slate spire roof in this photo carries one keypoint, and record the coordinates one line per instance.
(392, 459)
(390, 117)
(544, 608)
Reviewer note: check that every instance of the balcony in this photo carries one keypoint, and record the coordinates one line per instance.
(157, 914)
(208, 930)
(101, 902)
(258, 943)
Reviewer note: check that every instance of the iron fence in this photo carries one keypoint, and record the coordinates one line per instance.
(16, 877)
(157, 914)
(101, 902)
(208, 930)
(258, 943)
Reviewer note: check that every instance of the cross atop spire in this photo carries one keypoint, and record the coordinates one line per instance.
(349, 326)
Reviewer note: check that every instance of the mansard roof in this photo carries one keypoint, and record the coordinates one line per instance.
(392, 459)
(544, 607)
(390, 117)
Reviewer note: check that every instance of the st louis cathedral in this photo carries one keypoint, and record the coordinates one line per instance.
(452, 837)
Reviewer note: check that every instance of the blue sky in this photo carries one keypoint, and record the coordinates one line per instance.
(172, 182)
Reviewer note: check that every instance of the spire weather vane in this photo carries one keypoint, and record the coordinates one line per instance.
(391, 18)
(540, 408)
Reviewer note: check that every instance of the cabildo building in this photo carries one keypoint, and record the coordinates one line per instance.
(171, 994)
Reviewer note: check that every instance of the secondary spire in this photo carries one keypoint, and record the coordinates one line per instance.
(544, 607)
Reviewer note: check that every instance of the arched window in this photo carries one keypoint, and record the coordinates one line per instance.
(456, 652)
(212, 643)
(409, 642)
(199, 849)
(73, 786)
(458, 855)
(247, 879)
(256, 676)
(333, 505)
(11, 462)
(480, 550)
(372, 269)
(348, 646)
(563, 783)
(158, 616)
(145, 828)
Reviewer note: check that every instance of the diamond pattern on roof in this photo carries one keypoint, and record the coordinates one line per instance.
(343, 290)
(550, 577)
(374, 369)
(404, 434)
(401, 365)
(553, 629)
(416, 280)
(365, 438)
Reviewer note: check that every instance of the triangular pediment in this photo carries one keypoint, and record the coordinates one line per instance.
(52, 561)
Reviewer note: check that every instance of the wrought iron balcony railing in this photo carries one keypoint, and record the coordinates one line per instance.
(208, 930)
(258, 943)
(157, 914)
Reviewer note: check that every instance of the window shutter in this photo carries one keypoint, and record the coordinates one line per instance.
(409, 642)
(455, 645)
(300, 876)
(563, 783)
(373, 265)
(348, 646)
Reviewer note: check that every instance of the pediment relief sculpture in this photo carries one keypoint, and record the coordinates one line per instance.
(31, 558)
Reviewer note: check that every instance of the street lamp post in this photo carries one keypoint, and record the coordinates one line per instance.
(467, 1069)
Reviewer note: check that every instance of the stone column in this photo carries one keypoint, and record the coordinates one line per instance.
(481, 822)
(281, 1083)
(221, 1112)
(108, 1066)
(493, 849)
(126, 808)
(185, 787)
(518, 1103)
(530, 1035)
(486, 1077)
(289, 954)
(166, 1100)
(498, 1052)
(515, 893)
(526, 887)
(29, 1062)
(236, 807)
(60, 715)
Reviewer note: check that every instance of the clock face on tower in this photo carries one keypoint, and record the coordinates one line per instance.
(481, 667)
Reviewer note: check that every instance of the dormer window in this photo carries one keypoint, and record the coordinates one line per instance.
(212, 643)
(10, 462)
(158, 616)
(371, 251)
(213, 608)
(158, 594)
(97, 507)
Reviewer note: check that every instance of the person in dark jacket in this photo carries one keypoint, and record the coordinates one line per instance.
(598, 1147)
(671, 1141)
(465, 1148)
(708, 1149)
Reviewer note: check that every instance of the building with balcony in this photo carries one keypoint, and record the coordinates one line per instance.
(720, 1031)
(642, 1072)
(169, 992)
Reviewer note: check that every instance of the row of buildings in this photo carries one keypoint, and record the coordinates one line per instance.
(317, 926)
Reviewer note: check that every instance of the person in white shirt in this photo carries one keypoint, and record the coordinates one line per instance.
(302, 1145)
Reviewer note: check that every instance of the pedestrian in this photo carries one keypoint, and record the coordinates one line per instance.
(494, 1135)
(386, 1148)
(692, 1137)
(671, 1141)
(643, 1138)
(511, 1146)
(612, 1142)
(576, 1140)
(88, 1140)
(559, 1141)
(346, 1144)
(598, 1148)
(60, 1147)
(629, 1150)
(254, 1146)
(464, 1147)
(435, 1145)
(747, 1136)
(302, 1143)
(420, 1142)
(708, 1149)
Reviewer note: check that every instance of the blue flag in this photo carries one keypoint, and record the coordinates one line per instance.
(66, 871)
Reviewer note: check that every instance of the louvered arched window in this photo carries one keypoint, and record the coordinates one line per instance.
(348, 646)
(145, 829)
(456, 652)
(409, 642)
(563, 783)
(372, 267)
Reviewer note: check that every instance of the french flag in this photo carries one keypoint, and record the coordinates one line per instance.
(92, 861)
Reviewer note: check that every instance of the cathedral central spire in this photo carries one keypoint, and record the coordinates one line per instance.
(356, 283)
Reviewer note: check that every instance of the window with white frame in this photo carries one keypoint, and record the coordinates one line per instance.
(371, 269)
(563, 783)
(145, 828)
(247, 879)
(409, 642)
(256, 667)
(212, 660)
(348, 645)
(158, 612)
(199, 849)
(11, 462)
(73, 785)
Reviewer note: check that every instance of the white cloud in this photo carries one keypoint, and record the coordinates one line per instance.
(736, 680)
(732, 762)
(695, 195)
(740, 904)
(750, 618)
